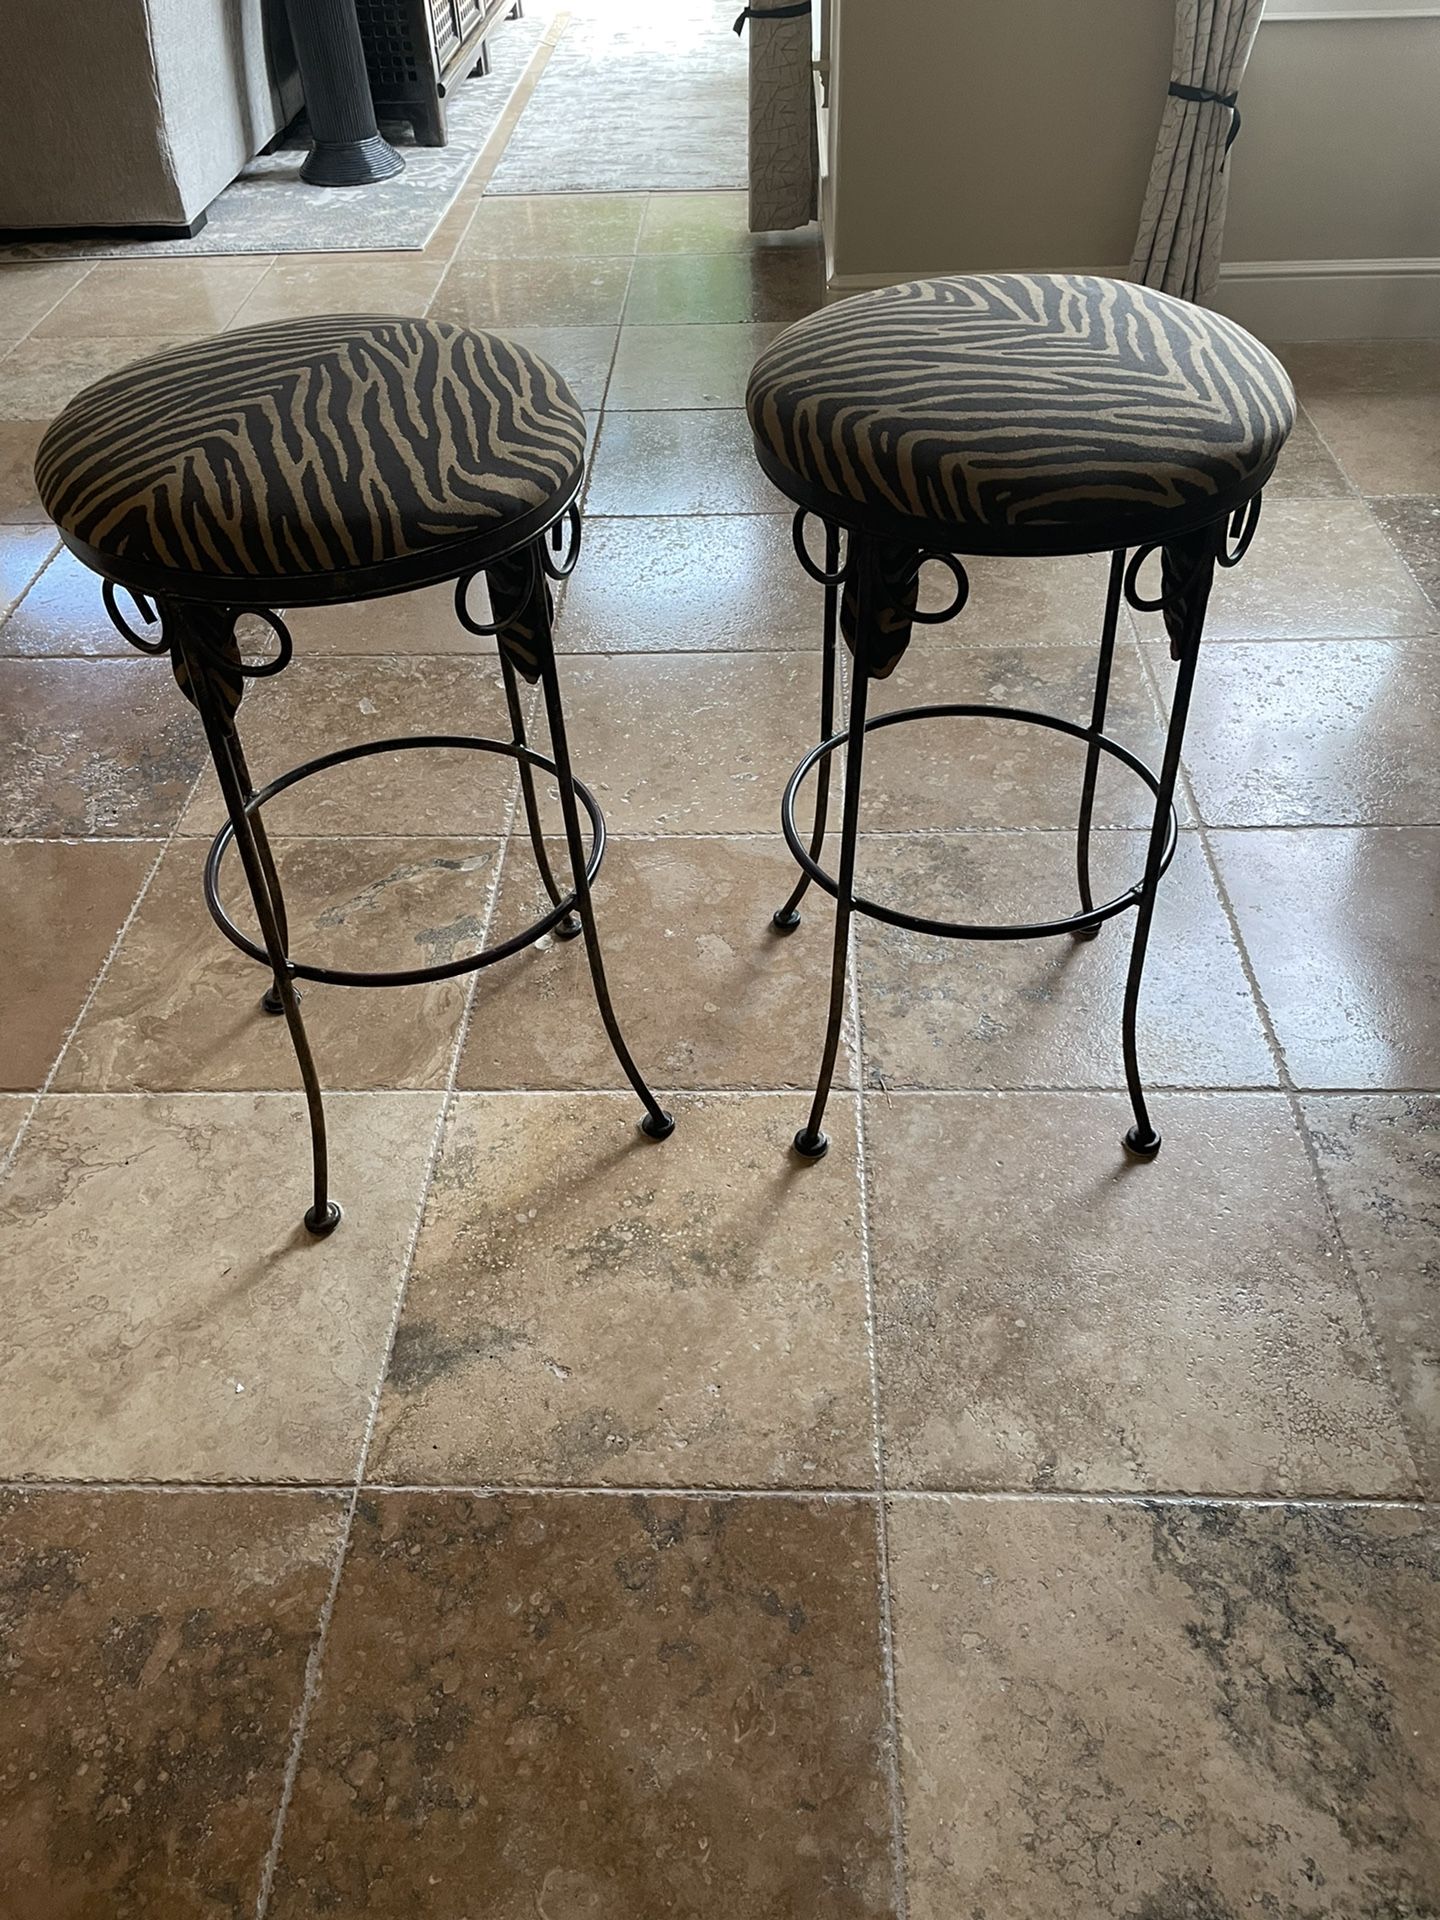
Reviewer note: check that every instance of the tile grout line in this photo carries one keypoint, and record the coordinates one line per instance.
(7, 1160)
(824, 1495)
(1291, 1095)
(315, 1661)
(30, 579)
(882, 1524)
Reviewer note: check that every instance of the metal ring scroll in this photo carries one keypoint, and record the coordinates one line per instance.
(285, 653)
(816, 573)
(122, 626)
(462, 591)
(563, 568)
(962, 591)
(1243, 523)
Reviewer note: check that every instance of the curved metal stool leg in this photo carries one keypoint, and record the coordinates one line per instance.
(658, 1124)
(1113, 596)
(785, 919)
(1143, 1139)
(204, 682)
(271, 1001)
(811, 1143)
(570, 925)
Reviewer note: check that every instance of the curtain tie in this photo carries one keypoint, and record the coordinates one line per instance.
(1204, 94)
(772, 13)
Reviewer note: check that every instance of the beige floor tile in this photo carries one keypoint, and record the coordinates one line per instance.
(689, 743)
(1044, 1013)
(1051, 1315)
(566, 291)
(708, 994)
(1377, 403)
(778, 283)
(19, 502)
(14, 1107)
(698, 584)
(581, 354)
(661, 367)
(63, 614)
(1319, 570)
(1178, 1710)
(28, 293)
(694, 461)
(1387, 443)
(1341, 930)
(23, 552)
(94, 747)
(169, 1318)
(156, 1656)
(709, 223)
(65, 902)
(596, 1707)
(39, 377)
(154, 296)
(1307, 469)
(589, 1307)
(1016, 603)
(179, 1009)
(319, 705)
(401, 283)
(1380, 1161)
(1413, 523)
(549, 226)
(973, 772)
(421, 622)
(1338, 734)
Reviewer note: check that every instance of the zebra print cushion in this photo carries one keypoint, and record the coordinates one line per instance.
(310, 448)
(1019, 413)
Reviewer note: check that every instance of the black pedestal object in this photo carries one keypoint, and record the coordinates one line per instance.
(349, 149)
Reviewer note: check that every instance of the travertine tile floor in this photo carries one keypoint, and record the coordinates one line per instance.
(970, 1524)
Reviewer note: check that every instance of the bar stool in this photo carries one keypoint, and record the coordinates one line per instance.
(1026, 416)
(320, 461)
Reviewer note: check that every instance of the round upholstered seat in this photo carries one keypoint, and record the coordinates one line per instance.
(316, 459)
(1019, 413)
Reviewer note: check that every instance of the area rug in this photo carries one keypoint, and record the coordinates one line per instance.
(640, 95)
(269, 209)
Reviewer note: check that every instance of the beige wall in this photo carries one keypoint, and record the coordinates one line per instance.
(1021, 137)
(1339, 158)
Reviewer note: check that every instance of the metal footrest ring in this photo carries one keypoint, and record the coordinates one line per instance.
(409, 976)
(960, 930)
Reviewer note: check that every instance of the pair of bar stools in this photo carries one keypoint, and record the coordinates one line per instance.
(328, 460)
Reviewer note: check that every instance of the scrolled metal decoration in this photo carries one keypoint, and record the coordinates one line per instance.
(462, 595)
(802, 554)
(962, 590)
(148, 613)
(562, 568)
(285, 653)
(1235, 540)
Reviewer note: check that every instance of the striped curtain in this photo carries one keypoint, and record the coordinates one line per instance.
(1183, 220)
(784, 160)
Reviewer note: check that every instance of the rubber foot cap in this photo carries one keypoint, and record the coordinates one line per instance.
(785, 920)
(1145, 1145)
(324, 1223)
(1086, 933)
(660, 1129)
(812, 1146)
(569, 928)
(270, 1001)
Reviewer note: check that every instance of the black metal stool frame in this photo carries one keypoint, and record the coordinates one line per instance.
(200, 637)
(1183, 599)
